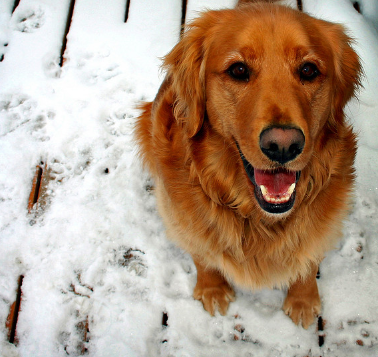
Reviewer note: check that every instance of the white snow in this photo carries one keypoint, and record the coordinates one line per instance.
(98, 251)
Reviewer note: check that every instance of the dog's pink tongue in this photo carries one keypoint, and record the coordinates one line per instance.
(276, 182)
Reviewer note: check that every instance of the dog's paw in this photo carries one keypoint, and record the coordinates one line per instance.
(215, 297)
(302, 311)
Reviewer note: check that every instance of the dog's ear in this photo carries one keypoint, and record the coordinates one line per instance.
(185, 66)
(347, 66)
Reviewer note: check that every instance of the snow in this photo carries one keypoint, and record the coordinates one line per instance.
(98, 251)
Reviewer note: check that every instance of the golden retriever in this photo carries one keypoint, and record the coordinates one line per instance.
(250, 151)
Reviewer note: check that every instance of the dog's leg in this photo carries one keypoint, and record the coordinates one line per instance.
(302, 302)
(212, 289)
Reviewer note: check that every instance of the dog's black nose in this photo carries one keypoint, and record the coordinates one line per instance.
(282, 144)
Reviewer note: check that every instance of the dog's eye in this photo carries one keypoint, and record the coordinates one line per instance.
(239, 71)
(308, 72)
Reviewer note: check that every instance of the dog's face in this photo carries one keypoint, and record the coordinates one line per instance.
(270, 81)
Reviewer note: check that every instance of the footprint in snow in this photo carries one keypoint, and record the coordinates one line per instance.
(20, 113)
(28, 19)
(72, 164)
(132, 259)
(94, 68)
(119, 123)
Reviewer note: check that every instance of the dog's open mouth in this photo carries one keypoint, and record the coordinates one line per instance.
(274, 189)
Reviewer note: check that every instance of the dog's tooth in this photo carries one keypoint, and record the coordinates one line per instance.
(264, 190)
(291, 189)
(277, 200)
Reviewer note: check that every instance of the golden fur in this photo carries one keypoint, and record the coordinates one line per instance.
(188, 141)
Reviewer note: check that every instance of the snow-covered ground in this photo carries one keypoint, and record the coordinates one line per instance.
(98, 251)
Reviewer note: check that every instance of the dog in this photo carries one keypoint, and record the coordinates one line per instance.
(250, 150)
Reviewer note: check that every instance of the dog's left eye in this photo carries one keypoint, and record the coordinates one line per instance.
(308, 72)
(239, 71)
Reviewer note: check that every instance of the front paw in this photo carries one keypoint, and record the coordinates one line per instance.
(302, 310)
(215, 297)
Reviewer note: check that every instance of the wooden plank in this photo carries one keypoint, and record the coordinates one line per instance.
(6, 9)
(184, 8)
(321, 333)
(124, 44)
(8, 6)
(36, 185)
(127, 10)
(194, 7)
(37, 32)
(163, 20)
(66, 31)
(164, 324)
(15, 5)
(300, 5)
(11, 323)
(37, 198)
(83, 329)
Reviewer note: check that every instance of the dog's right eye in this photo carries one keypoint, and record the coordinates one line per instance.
(308, 72)
(239, 71)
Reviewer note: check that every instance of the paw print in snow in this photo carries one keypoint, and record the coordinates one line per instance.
(74, 164)
(28, 19)
(352, 247)
(239, 333)
(131, 259)
(20, 113)
(14, 112)
(95, 68)
(50, 65)
(119, 123)
(359, 332)
(60, 169)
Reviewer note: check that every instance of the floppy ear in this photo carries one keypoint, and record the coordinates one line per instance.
(347, 68)
(186, 65)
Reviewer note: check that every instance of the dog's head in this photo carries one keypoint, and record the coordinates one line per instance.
(271, 82)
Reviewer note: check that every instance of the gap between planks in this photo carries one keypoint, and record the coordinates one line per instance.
(66, 31)
(37, 199)
(11, 322)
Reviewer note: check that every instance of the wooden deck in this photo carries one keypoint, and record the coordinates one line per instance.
(58, 38)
